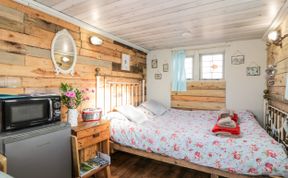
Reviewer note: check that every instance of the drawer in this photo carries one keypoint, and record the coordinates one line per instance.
(93, 139)
(91, 131)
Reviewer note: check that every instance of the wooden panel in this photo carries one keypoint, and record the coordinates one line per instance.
(198, 105)
(25, 58)
(212, 93)
(93, 139)
(201, 95)
(12, 90)
(197, 98)
(207, 21)
(217, 85)
(278, 56)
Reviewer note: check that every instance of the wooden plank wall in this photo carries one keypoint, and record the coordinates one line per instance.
(279, 56)
(201, 95)
(25, 42)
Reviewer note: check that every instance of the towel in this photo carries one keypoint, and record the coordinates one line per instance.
(233, 131)
(226, 122)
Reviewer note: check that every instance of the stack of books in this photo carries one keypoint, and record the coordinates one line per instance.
(93, 164)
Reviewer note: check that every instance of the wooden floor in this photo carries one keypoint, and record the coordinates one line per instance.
(125, 165)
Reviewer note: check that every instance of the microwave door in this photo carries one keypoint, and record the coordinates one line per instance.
(21, 113)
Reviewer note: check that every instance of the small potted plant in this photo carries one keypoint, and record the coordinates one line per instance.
(71, 98)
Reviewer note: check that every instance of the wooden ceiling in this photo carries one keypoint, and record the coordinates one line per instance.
(159, 24)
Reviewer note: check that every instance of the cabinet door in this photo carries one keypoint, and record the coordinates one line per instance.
(42, 156)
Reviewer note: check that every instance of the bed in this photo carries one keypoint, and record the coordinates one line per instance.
(184, 138)
(186, 135)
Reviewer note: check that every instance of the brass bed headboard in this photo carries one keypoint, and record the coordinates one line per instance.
(276, 123)
(113, 91)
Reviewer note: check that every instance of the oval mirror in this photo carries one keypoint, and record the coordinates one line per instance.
(64, 52)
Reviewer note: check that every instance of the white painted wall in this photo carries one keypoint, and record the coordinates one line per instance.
(242, 92)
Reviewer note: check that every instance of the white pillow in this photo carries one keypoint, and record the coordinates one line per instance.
(132, 113)
(147, 112)
(115, 115)
(155, 107)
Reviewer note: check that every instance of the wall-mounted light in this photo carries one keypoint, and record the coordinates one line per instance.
(95, 40)
(275, 38)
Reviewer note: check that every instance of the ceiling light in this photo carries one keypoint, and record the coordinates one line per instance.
(95, 40)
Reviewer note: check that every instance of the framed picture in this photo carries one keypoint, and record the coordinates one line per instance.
(154, 63)
(253, 71)
(165, 67)
(237, 60)
(286, 89)
(158, 76)
(125, 65)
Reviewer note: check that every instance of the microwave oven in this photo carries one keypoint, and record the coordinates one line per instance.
(23, 111)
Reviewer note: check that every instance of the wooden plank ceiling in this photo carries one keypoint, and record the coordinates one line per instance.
(159, 24)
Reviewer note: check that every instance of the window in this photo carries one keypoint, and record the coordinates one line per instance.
(212, 66)
(189, 68)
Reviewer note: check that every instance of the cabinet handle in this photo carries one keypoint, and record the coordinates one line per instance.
(96, 135)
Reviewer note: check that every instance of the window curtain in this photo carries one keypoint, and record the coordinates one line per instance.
(178, 71)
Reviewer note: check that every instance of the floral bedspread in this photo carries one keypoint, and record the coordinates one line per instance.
(187, 135)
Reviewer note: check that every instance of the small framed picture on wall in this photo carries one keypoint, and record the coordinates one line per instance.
(158, 76)
(165, 67)
(253, 71)
(237, 60)
(154, 63)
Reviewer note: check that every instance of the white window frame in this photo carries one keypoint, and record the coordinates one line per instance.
(193, 71)
(200, 65)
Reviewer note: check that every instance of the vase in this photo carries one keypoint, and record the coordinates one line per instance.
(73, 117)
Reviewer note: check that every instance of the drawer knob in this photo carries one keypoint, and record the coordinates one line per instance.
(96, 135)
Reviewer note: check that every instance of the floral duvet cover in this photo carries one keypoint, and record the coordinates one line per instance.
(187, 135)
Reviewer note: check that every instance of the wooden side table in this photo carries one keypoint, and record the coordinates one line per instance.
(91, 138)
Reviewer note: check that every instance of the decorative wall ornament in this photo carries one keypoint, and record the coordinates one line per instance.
(158, 76)
(125, 64)
(165, 67)
(237, 60)
(253, 71)
(64, 52)
(286, 88)
(270, 74)
(154, 63)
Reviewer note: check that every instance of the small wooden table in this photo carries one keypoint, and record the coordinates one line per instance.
(91, 137)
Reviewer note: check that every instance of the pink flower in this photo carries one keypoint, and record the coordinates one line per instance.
(236, 155)
(197, 155)
(286, 166)
(150, 141)
(252, 170)
(254, 147)
(132, 141)
(230, 169)
(70, 94)
(157, 132)
(176, 147)
(271, 153)
(210, 155)
(186, 158)
(269, 167)
(149, 150)
(199, 145)
(163, 139)
(216, 143)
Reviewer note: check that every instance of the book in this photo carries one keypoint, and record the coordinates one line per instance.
(92, 164)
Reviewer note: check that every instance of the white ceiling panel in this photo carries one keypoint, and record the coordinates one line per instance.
(158, 24)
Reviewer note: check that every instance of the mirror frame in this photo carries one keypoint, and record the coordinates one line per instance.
(58, 69)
